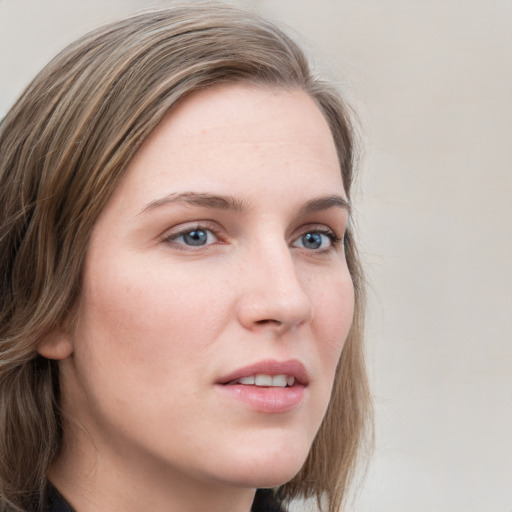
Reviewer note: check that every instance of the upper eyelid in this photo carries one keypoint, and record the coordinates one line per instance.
(173, 236)
(318, 226)
(185, 227)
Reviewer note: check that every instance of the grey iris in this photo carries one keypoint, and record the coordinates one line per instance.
(312, 240)
(195, 237)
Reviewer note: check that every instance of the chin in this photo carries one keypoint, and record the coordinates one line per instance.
(268, 468)
(266, 478)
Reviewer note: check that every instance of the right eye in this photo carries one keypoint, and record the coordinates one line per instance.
(193, 237)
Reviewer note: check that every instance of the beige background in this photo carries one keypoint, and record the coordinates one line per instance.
(432, 81)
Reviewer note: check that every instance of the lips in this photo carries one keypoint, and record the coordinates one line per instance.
(269, 387)
(269, 373)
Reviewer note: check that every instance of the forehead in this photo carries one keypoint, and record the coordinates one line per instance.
(244, 137)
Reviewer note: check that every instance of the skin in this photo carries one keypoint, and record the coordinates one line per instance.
(161, 321)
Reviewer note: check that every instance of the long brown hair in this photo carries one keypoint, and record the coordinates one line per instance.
(64, 146)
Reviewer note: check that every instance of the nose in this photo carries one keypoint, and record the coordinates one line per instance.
(273, 297)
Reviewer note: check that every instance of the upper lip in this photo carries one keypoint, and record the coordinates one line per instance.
(292, 368)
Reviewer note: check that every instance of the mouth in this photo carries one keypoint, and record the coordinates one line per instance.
(267, 386)
(269, 373)
(266, 381)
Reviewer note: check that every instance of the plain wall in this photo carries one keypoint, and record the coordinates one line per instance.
(432, 82)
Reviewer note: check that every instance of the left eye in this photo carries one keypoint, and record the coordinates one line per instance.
(314, 240)
(195, 237)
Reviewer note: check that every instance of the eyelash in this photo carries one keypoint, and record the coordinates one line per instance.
(331, 235)
(335, 240)
(171, 239)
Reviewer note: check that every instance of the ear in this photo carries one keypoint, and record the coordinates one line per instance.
(56, 344)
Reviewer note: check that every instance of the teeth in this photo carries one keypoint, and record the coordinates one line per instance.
(278, 381)
(263, 380)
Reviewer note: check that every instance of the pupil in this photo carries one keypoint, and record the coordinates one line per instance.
(195, 237)
(312, 240)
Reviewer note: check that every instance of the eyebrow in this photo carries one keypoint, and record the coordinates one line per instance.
(324, 203)
(219, 202)
(222, 202)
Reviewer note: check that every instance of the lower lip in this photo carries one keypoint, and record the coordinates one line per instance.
(270, 400)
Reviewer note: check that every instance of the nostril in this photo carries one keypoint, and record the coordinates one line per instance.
(268, 321)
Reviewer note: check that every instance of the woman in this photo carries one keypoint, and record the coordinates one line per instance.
(181, 318)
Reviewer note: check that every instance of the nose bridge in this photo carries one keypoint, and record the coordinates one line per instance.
(273, 294)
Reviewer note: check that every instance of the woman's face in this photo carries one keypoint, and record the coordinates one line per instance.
(216, 296)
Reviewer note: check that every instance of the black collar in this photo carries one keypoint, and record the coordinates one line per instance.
(264, 501)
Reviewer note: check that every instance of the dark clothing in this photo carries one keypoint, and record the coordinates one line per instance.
(55, 502)
(264, 501)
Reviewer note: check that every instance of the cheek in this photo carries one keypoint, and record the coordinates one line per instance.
(334, 307)
(148, 319)
(334, 311)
